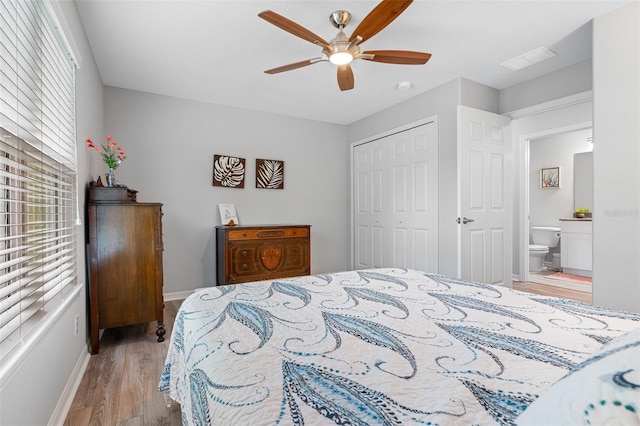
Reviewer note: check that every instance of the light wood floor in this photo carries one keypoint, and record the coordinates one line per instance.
(548, 290)
(119, 385)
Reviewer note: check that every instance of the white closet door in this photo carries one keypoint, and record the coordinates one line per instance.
(369, 205)
(396, 215)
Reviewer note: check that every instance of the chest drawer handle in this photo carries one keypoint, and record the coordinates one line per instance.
(295, 249)
(295, 262)
(244, 253)
(245, 266)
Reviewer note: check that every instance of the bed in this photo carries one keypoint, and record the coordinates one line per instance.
(397, 346)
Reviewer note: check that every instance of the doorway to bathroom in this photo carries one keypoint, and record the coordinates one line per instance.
(558, 182)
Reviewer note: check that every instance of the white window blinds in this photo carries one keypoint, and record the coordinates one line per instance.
(38, 245)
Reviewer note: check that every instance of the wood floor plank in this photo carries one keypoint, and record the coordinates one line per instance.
(135, 421)
(108, 395)
(155, 409)
(548, 290)
(79, 417)
(133, 374)
(120, 384)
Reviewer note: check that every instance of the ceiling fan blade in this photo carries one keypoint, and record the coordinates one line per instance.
(291, 27)
(293, 66)
(403, 57)
(381, 16)
(345, 77)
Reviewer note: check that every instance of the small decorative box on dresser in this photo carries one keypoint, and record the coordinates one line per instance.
(125, 261)
(264, 252)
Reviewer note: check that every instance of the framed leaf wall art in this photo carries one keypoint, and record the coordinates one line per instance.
(228, 171)
(269, 174)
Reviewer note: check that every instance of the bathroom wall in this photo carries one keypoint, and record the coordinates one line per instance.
(548, 205)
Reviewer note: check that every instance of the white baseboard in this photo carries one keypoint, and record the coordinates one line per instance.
(178, 295)
(61, 411)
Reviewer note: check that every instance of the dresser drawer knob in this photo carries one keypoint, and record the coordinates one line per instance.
(245, 266)
(295, 262)
(244, 253)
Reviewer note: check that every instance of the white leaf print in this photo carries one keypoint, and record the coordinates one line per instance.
(270, 174)
(229, 171)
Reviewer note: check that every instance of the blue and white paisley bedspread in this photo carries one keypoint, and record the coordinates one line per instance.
(383, 346)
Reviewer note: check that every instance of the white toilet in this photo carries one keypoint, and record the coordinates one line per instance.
(542, 238)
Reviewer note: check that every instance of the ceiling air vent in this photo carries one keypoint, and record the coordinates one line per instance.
(528, 59)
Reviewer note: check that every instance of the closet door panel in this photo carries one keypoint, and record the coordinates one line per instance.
(370, 204)
(421, 251)
(400, 245)
(402, 222)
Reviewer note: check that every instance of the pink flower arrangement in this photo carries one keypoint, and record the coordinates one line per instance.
(112, 153)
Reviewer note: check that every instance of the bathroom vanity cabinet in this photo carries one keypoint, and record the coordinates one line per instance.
(576, 246)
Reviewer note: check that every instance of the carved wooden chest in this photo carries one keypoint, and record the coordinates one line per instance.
(262, 252)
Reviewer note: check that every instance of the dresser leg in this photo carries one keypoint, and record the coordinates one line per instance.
(160, 331)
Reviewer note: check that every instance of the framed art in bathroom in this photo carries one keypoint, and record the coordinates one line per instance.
(550, 177)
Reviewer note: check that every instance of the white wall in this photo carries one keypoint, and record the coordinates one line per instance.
(548, 205)
(40, 387)
(170, 144)
(616, 135)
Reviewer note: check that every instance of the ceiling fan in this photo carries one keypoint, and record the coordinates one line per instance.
(342, 49)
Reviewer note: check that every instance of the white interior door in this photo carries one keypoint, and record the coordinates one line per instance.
(485, 197)
(395, 201)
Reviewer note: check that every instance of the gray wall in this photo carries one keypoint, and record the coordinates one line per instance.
(616, 155)
(170, 144)
(441, 101)
(565, 82)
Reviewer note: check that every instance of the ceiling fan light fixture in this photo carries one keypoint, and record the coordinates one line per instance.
(341, 58)
(342, 50)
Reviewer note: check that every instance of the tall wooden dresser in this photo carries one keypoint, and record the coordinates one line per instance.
(263, 252)
(125, 261)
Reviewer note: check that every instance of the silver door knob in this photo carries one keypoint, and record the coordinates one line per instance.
(465, 220)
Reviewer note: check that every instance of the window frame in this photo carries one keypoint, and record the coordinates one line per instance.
(39, 214)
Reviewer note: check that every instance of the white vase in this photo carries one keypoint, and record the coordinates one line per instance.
(110, 178)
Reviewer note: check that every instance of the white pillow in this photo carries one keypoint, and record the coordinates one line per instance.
(604, 389)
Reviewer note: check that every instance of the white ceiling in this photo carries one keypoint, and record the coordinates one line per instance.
(216, 51)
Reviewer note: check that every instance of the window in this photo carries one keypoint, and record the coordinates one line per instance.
(38, 200)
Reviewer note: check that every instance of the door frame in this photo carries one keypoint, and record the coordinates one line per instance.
(568, 104)
(352, 146)
(524, 223)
